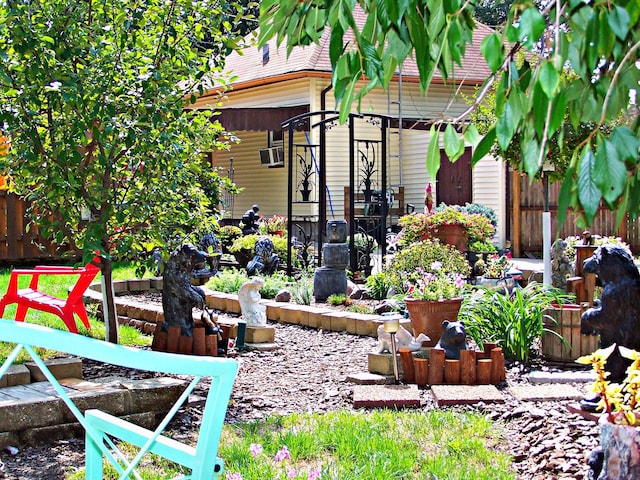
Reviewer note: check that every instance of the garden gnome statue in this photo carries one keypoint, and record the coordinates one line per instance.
(249, 220)
(428, 199)
(561, 266)
(249, 298)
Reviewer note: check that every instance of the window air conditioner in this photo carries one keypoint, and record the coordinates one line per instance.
(272, 157)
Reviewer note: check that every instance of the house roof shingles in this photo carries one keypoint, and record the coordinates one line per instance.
(314, 59)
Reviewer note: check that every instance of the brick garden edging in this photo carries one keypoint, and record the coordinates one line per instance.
(145, 316)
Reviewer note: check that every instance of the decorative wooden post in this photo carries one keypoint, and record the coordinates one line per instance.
(436, 366)
(408, 371)
(452, 372)
(496, 365)
(421, 367)
(483, 375)
(468, 367)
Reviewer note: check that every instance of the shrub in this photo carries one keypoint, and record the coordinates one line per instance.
(227, 234)
(338, 299)
(302, 291)
(403, 268)
(378, 285)
(246, 245)
(485, 210)
(228, 280)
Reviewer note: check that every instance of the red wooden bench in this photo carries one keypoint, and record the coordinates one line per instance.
(65, 308)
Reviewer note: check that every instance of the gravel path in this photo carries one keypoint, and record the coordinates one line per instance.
(307, 374)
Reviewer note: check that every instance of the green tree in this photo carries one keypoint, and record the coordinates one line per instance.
(93, 96)
(598, 41)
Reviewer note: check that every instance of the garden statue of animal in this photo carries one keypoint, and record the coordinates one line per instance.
(453, 339)
(561, 267)
(210, 244)
(616, 317)
(249, 297)
(179, 297)
(403, 340)
(265, 260)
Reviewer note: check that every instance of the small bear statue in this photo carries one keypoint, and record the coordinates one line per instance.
(453, 339)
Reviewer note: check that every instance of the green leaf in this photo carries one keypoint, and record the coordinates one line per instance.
(618, 20)
(531, 26)
(609, 171)
(531, 156)
(472, 136)
(433, 153)
(505, 127)
(588, 192)
(565, 196)
(492, 50)
(453, 144)
(627, 144)
(548, 79)
(484, 147)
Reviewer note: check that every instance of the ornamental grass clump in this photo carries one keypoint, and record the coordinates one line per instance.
(513, 321)
(620, 401)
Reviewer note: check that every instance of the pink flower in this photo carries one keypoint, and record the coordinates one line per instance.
(233, 476)
(314, 474)
(255, 449)
(291, 472)
(283, 454)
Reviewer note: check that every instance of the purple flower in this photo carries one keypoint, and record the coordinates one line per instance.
(283, 454)
(255, 449)
(233, 476)
(314, 474)
(291, 472)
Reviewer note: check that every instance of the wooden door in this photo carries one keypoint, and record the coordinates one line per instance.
(454, 180)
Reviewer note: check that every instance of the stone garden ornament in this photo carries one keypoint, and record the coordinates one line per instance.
(403, 340)
(265, 260)
(249, 297)
(179, 296)
(453, 339)
(616, 316)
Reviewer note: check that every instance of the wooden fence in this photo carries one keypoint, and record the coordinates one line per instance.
(20, 241)
(526, 210)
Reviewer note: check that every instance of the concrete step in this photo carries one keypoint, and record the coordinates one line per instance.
(35, 413)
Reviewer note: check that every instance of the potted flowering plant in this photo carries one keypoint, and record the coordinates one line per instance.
(435, 296)
(449, 223)
(620, 421)
(274, 225)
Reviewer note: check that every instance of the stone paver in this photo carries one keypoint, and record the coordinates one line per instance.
(386, 396)
(366, 378)
(570, 376)
(542, 393)
(465, 394)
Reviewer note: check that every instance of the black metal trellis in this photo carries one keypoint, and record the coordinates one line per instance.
(307, 182)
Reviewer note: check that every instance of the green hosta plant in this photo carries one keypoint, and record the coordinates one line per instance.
(514, 321)
(620, 401)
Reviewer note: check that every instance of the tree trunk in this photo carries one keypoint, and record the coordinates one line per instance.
(108, 302)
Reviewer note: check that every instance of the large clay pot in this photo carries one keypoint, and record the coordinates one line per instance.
(427, 316)
(621, 448)
(454, 234)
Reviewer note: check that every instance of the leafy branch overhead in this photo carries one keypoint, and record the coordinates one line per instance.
(580, 66)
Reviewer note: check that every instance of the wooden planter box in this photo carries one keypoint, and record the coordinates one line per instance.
(568, 326)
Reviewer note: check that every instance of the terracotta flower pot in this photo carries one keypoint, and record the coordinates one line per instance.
(427, 316)
(454, 234)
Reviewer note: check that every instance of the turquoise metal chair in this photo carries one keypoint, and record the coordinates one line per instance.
(202, 459)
